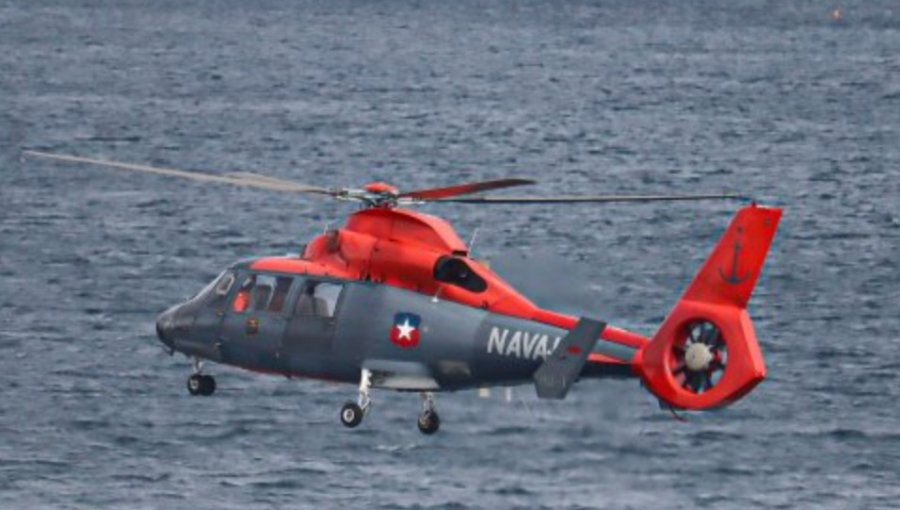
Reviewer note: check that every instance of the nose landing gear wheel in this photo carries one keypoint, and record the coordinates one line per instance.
(429, 423)
(201, 384)
(351, 415)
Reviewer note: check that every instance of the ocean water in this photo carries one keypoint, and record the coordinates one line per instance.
(773, 99)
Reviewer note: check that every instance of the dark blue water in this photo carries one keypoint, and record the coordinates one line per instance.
(773, 99)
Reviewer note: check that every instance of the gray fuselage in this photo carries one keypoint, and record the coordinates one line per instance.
(310, 326)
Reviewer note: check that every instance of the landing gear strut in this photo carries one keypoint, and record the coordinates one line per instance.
(353, 413)
(429, 421)
(199, 383)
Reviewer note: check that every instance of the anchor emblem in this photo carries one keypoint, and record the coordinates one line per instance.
(734, 278)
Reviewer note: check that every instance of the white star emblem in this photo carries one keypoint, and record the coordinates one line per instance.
(405, 329)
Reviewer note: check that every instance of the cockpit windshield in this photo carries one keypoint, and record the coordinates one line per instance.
(216, 292)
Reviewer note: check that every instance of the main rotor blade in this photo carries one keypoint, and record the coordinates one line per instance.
(258, 177)
(436, 194)
(274, 183)
(593, 199)
(236, 179)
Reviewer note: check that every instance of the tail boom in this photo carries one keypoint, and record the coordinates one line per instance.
(730, 364)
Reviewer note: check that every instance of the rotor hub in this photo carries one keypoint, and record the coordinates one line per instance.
(698, 357)
(381, 188)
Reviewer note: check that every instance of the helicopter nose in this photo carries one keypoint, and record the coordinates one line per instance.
(165, 326)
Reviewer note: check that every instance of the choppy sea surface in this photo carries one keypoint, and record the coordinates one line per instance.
(787, 101)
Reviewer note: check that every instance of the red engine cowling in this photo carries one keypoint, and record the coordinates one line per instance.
(705, 354)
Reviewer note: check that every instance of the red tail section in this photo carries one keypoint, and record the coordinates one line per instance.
(705, 354)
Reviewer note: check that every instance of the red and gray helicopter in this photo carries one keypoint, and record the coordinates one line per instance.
(393, 300)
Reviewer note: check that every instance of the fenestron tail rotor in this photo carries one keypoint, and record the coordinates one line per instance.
(379, 194)
(700, 359)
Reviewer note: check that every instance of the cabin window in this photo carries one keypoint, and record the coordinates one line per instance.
(318, 299)
(457, 272)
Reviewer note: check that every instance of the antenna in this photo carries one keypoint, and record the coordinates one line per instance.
(472, 241)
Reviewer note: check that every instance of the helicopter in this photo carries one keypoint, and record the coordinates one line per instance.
(393, 300)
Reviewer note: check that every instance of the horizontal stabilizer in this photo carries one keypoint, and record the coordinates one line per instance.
(555, 375)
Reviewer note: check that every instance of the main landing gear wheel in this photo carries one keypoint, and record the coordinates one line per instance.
(351, 415)
(201, 384)
(429, 422)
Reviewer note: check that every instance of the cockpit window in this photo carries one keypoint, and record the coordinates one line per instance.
(318, 299)
(242, 299)
(282, 287)
(456, 272)
(262, 293)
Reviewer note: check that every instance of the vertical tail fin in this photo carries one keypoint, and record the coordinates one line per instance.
(705, 354)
